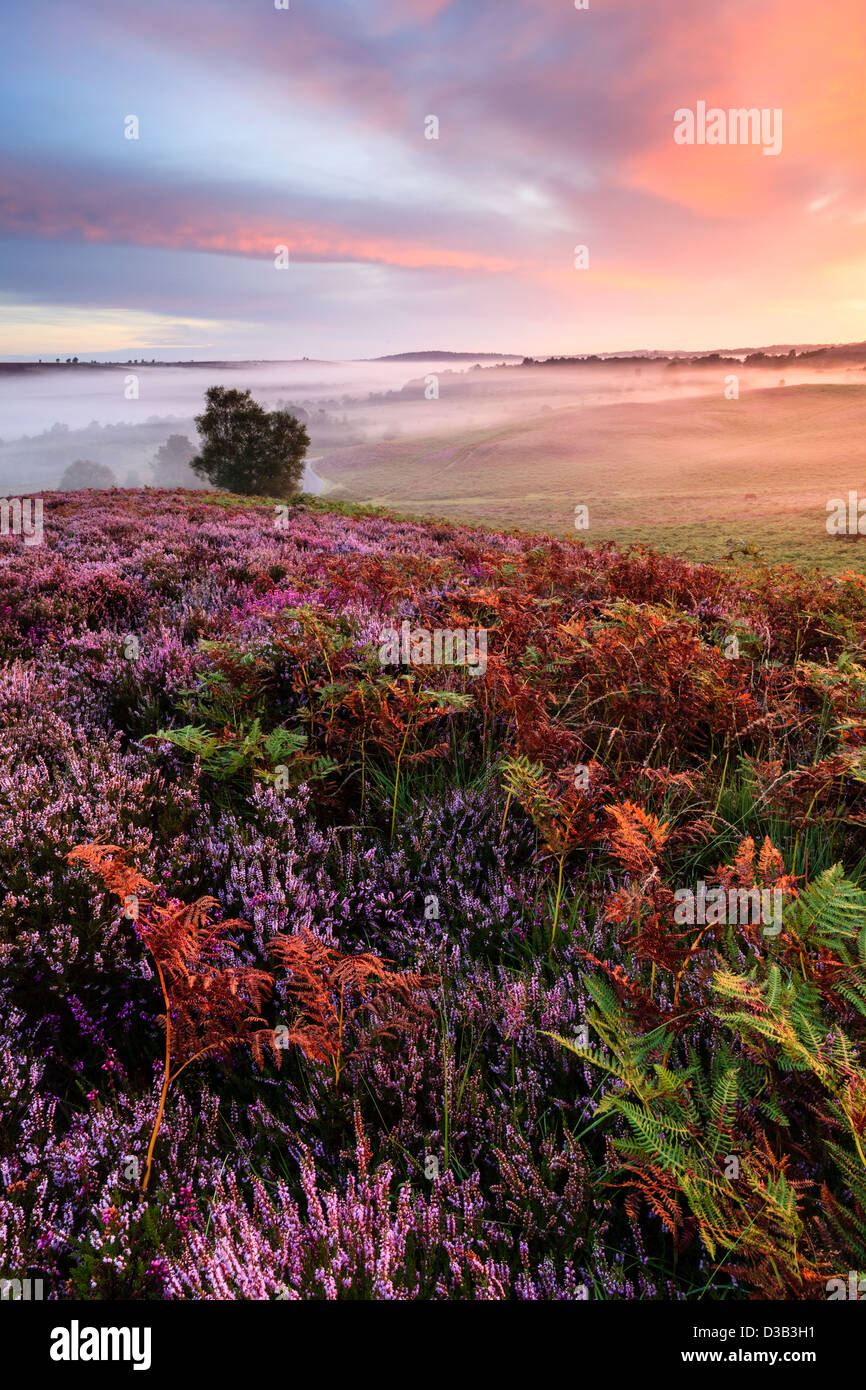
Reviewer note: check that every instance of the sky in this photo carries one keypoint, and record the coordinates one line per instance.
(308, 128)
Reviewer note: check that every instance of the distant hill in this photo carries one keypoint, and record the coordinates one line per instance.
(449, 357)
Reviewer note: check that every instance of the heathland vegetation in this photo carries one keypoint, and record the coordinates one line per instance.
(329, 978)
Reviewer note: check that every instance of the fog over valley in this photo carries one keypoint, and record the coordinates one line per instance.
(120, 415)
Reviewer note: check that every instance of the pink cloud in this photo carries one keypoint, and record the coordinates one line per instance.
(32, 204)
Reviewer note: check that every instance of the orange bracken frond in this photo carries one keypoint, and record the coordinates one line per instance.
(638, 837)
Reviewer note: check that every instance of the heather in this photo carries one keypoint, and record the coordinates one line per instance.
(383, 965)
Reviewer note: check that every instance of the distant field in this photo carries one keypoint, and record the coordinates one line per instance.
(691, 476)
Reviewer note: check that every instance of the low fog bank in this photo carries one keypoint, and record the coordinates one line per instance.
(136, 420)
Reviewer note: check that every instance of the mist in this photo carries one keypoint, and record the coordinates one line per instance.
(119, 415)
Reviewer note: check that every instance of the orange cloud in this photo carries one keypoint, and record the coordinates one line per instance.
(808, 61)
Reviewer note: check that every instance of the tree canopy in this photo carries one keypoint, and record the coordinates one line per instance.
(248, 449)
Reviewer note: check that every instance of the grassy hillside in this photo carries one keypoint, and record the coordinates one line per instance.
(690, 476)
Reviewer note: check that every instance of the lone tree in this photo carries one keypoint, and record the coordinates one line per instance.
(86, 473)
(248, 449)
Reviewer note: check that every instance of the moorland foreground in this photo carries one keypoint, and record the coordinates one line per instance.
(436, 1021)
